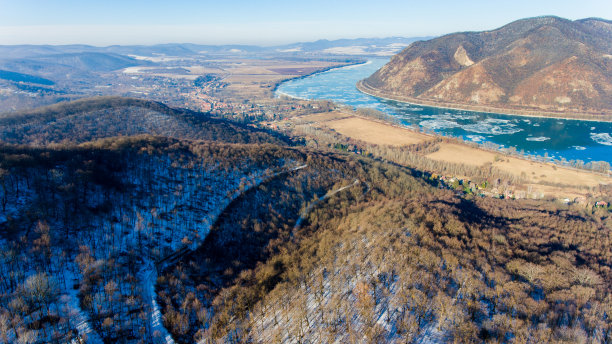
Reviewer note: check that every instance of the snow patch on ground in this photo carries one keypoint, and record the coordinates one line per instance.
(166, 207)
(71, 299)
(148, 276)
(292, 50)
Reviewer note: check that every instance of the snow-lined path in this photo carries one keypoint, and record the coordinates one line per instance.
(148, 274)
(82, 321)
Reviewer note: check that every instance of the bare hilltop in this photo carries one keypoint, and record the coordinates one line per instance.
(536, 66)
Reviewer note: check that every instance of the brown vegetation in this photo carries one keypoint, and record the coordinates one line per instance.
(95, 118)
(445, 156)
(401, 261)
(538, 66)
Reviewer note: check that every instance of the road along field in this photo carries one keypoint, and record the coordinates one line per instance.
(540, 179)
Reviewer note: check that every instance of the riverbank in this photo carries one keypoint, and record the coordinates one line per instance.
(364, 88)
(533, 178)
(323, 70)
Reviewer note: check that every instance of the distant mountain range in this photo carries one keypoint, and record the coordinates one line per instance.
(358, 46)
(35, 51)
(537, 65)
(46, 64)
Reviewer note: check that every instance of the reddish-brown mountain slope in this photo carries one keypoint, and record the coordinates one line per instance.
(543, 65)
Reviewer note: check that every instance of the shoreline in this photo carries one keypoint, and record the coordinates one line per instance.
(477, 146)
(360, 87)
(326, 69)
(482, 109)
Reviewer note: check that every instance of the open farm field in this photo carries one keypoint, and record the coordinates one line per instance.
(249, 77)
(537, 179)
(533, 171)
(375, 132)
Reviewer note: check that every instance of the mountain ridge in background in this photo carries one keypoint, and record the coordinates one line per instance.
(546, 64)
(369, 46)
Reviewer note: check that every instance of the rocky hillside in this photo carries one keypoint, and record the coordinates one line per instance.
(538, 65)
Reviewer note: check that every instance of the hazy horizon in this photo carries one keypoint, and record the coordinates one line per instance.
(268, 22)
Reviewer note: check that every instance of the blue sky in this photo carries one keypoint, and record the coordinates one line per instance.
(264, 22)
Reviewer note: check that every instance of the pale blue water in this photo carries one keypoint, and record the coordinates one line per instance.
(569, 139)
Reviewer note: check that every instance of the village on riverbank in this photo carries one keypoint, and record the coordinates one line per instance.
(246, 92)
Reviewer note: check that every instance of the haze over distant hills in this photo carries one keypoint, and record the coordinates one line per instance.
(359, 46)
(49, 62)
(362, 46)
(545, 64)
(35, 75)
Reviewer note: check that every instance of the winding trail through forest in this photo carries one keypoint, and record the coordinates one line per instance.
(309, 208)
(82, 321)
(148, 274)
(306, 211)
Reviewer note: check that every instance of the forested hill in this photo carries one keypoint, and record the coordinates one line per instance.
(540, 64)
(77, 222)
(304, 246)
(94, 118)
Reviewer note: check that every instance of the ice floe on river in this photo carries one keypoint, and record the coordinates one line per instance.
(491, 126)
(538, 139)
(602, 138)
(476, 138)
(436, 124)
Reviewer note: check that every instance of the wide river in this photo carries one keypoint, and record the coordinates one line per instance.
(557, 138)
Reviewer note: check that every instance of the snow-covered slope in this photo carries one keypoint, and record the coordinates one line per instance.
(108, 217)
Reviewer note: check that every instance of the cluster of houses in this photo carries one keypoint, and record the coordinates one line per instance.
(462, 185)
(200, 99)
